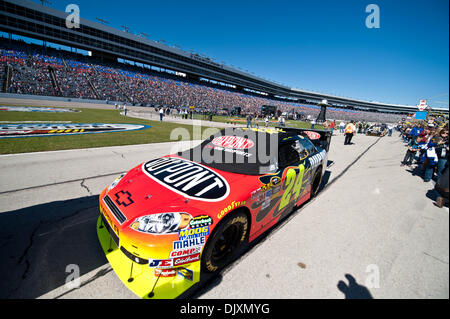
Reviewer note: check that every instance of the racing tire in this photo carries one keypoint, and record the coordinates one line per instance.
(224, 243)
(316, 183)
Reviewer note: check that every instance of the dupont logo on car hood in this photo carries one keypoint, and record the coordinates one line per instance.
(187, 178)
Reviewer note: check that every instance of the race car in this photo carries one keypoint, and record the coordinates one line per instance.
(377, 130)
(171, 219)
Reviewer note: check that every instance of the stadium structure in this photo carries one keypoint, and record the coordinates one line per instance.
(107, 44)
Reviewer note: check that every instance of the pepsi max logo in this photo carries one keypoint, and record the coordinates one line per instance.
(313, 135)
(236, 142)
(187, 178)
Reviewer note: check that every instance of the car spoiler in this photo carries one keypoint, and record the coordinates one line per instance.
(321, 139)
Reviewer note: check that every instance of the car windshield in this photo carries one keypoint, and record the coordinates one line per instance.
(241, 151)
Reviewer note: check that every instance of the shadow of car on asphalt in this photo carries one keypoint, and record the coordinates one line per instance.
(38, 243)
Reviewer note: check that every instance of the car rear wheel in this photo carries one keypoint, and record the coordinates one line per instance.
(316, 183)
(224, 243)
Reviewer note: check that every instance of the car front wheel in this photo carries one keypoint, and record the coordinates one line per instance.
(224, 243)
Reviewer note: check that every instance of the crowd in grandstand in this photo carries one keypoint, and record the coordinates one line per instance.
(427, 153)
(54, 72)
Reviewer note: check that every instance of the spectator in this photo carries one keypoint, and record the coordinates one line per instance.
(442, 150)
(350, 129)
(442, 188)
(413, 147)
(332, 126)
(431, 158)
(342, 126)
(390, 127)
(249, 121)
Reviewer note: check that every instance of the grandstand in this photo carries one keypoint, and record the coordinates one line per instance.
(167, 76)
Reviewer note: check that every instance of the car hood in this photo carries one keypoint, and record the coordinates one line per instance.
(144, 190)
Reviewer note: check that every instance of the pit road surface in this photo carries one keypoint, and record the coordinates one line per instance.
(371, 232)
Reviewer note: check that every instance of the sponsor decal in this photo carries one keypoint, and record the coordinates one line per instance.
(267, 199)
(201, 221)
(312, 135)
(185, 273)
(186, 260)
(116, 181)
(61, 129)
(165, 272)
(265, 187)
(233, 205)
(123, 198)
(235, 142)
(257, 194)
(193, 233)
(36, 109)
(161, 263)
(264, 130)
(184, 252)
(315, 160)
(422, 105)
(276, 189)
(274, 181)
(180, 244)
(188, 179)
(229, 150)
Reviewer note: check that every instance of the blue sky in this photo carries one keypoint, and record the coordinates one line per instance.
(321, 46)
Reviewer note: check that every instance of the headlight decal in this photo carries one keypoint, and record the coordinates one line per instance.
(116, 181)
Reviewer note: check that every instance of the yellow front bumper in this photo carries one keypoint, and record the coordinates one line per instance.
(141, 279)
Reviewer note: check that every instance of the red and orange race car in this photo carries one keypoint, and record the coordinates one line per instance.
(172, 218)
